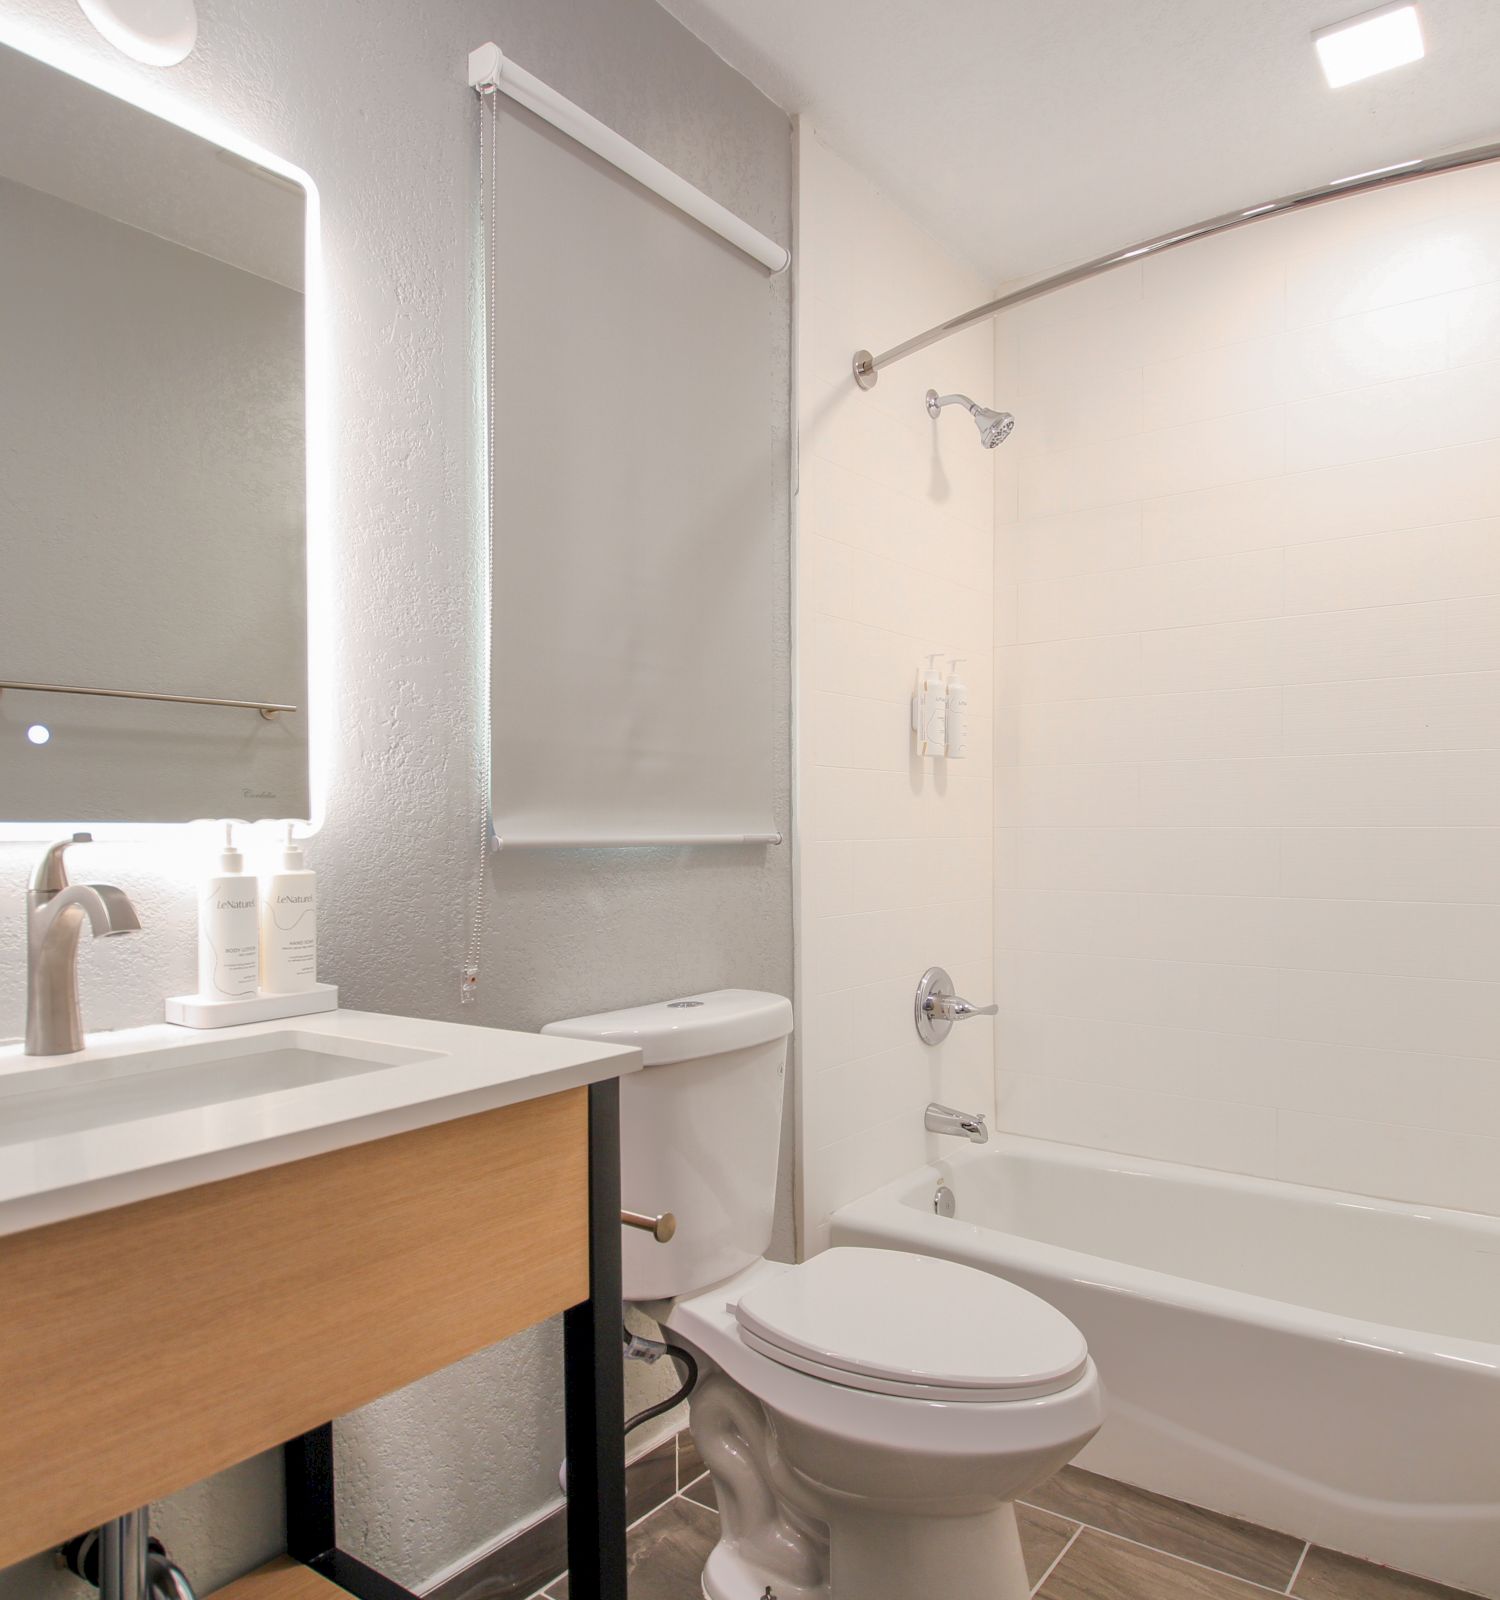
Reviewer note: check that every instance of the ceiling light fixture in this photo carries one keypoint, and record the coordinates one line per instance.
(159, 32)
(1364, 45)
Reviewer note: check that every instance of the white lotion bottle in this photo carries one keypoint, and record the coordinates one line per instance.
(957, 724)
(289, 923)
(228, 928)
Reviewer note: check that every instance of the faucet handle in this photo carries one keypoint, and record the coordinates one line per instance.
(50, 875)
(939, 1006)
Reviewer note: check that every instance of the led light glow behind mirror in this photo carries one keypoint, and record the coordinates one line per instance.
(168, 97)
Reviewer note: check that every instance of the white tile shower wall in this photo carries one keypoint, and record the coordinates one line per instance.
(895, 545)
(1248, 703)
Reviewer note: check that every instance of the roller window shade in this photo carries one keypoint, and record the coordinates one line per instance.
(632, 585)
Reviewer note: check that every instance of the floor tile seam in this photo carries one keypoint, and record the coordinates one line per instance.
(646, 1516)
(1291, 1582)
(1172, 1555)
(677, 1494)
(1037, 1587)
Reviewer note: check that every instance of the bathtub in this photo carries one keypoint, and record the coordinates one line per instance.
(1320, 1363)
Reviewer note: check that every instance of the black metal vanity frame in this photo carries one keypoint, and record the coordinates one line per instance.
(593, 1394)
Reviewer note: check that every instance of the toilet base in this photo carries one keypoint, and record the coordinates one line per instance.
(884, 1557)
(785, 1537)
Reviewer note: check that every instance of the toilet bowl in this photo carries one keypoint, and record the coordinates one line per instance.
(869, 1417)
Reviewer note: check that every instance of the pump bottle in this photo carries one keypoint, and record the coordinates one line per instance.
(228, 928)
(289, 923)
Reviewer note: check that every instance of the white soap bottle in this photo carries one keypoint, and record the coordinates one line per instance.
(228, 928)
(929, 709)
(957, 714)
(289, 923)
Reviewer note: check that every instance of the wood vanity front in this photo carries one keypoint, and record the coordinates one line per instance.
(146, 1346)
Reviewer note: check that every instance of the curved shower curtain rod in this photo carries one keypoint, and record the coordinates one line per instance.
(867, 367)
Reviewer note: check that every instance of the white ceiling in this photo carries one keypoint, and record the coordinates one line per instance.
(1030, 134)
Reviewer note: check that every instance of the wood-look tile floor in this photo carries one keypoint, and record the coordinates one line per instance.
(1084, 1538)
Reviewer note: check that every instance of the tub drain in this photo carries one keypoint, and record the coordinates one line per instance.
(944, 1204)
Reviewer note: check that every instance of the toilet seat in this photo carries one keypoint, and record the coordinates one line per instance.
(890, 1322)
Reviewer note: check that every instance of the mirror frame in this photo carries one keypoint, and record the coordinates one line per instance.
(111, 77)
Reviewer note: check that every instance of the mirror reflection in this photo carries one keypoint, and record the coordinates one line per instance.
(152, 467)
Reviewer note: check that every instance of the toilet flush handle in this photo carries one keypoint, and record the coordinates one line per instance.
(660, 1228)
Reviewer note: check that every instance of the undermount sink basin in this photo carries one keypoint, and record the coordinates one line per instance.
(150, 1111)
(45, 1102)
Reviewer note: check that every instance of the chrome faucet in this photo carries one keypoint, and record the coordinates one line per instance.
(938, 1006)
(55, 910)
(962, 1124)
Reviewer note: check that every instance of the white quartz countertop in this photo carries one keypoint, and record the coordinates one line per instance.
(147, 1111)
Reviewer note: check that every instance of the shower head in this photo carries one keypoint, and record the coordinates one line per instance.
(994, 426)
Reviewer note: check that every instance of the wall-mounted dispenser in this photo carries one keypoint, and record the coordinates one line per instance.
(929, 710)
(957, 714)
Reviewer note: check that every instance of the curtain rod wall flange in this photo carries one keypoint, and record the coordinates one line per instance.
(489, 70)
(866, 367)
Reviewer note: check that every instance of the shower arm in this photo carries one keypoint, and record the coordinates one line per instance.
(867, 367)
(936, 402)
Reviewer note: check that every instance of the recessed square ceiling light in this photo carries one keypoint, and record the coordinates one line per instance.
(1375, 42)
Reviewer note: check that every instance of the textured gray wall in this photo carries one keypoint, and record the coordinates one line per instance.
(370, 99)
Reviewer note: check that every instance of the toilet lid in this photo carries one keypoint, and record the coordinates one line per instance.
(914, 1325)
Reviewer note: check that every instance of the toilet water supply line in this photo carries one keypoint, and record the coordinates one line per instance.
(638, 1348)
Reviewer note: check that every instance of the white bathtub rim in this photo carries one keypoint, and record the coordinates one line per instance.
(885, 1210)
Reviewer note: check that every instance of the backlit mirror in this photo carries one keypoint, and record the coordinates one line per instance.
(153, 501)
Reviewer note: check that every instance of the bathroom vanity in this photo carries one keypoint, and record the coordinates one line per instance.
(211, 1247)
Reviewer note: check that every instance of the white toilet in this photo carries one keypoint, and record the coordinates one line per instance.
(869, 1417)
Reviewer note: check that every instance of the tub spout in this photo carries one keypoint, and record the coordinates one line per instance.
(961, 1124)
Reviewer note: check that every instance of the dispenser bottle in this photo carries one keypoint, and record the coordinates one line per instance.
(929, 710)
(289, 923)
(957, 718)
(228, 928)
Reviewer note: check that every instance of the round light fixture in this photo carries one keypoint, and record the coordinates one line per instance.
(39, 733)
(159, 32)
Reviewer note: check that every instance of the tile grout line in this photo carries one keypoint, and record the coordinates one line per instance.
(544, 1593)
(1291, 1582)
(1079, 1527)
(1202, 1566)
(1072, 1537)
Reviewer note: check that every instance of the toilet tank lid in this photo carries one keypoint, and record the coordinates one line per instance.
(694, 1025)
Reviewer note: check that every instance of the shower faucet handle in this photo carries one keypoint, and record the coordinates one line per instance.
(938, 1007)
(953, 1008)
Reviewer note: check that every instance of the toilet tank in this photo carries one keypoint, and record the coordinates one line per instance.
(700, 1130)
